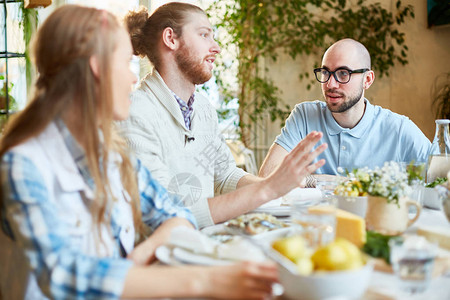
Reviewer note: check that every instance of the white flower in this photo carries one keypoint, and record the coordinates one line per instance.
(389, 181)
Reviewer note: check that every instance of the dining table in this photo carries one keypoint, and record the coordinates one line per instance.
(384, 285)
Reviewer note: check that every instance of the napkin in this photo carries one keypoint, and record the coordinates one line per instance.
(201, 249)
(192, 240)
(240, 249)
(303, 194)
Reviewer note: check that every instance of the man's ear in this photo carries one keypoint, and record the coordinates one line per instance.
(369, 77)
(93, 63)
(170, 39)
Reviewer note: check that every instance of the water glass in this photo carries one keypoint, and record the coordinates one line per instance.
(416, 181)
(412, 260)
(318, 227)
(327, 187)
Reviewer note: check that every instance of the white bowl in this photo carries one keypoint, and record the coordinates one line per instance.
(430, 198)
(355, 205)
(337, 284)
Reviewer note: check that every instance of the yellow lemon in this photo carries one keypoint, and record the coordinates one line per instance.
(354, 256)
(338, 255)
(305, 265)
(292, 247)
(330, 257)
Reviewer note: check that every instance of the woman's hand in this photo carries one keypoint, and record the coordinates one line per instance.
(246, 280)
(144, 253)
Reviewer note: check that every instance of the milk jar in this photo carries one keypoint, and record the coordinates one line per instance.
(439, 156)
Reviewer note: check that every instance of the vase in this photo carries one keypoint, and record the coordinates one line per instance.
(390, 218)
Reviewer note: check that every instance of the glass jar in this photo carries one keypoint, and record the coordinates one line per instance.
(439, 156)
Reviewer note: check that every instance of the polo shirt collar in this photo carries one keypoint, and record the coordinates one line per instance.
(358, 131)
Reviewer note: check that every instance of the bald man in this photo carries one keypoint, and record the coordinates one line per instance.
(358, 133)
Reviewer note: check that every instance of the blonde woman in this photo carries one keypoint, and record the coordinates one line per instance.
(72, 198)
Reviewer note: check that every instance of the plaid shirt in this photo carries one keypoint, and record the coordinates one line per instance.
(64, 271)
(186, 110)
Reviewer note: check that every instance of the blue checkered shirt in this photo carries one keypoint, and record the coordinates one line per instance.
(186, 110)
(63, 271)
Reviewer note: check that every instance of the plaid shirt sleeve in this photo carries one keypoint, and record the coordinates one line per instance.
(63, 272)
(156, 204)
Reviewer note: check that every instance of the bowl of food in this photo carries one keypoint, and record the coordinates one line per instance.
(338, 269)
(444, 193)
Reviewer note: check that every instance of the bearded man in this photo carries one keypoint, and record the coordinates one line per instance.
(174, 130)
(358, 133)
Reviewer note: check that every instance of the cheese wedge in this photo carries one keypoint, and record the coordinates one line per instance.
(348, 226)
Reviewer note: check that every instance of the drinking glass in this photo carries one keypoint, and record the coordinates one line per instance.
(327, 187)
(412, 260)
(318, 225)
(416, 181)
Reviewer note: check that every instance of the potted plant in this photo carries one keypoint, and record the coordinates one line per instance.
(387, 189)
(12, 105)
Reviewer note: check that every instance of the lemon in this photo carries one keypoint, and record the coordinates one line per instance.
(330, 257)
(293, 247)
(305, 265)
(338, 255)
(354, 257)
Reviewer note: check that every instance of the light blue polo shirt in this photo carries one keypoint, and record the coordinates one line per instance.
(380, 136)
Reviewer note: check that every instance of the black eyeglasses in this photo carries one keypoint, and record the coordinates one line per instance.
(342, 75)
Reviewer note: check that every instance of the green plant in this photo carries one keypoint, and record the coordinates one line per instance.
(377, 245)
(258, 29)
(28, 23)
(440, 94)
(436, 182)
(6, 105)
(28, 20)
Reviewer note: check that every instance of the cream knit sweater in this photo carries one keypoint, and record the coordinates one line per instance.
(193, 164)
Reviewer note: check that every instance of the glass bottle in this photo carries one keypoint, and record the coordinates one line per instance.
(439, 156)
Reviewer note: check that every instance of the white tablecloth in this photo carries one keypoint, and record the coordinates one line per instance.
(386, 286)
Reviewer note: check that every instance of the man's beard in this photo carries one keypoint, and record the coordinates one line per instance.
(191, 66)
(351, 101)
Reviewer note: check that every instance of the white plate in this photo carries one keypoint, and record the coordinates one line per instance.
(197, 259)
(265, 236)
(274, 207)
(214, 229)
(278, 211)
(280, 207)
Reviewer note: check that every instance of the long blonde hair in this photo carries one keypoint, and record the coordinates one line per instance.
(65, 42)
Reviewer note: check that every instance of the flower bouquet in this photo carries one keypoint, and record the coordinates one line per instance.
(386, 189)
(389, 182)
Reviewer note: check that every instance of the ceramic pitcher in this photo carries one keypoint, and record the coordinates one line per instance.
(390, 218)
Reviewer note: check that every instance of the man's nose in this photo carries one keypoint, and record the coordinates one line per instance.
(331, 83)
(215, 48)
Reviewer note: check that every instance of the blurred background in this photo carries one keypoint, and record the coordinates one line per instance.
(269, 49)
